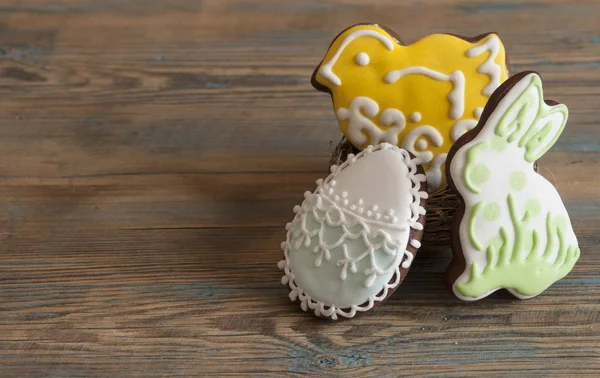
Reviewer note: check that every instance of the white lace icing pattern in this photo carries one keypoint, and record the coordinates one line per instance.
(358, 220)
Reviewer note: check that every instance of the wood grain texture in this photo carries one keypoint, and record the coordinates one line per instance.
(152, 151)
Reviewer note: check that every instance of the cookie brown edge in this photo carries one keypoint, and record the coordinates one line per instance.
(458, 264)
(323, 88)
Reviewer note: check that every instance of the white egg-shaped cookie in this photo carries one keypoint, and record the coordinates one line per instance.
(353, 239)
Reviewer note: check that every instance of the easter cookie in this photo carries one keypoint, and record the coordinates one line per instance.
(512, 230)
(421, 97)
(353, 239)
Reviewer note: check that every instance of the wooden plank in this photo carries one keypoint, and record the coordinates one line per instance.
(122, 299)
(153, 150)
(153, 198)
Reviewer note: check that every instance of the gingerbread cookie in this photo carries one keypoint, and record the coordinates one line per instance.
(353, 239)
(421, 97)
(512, 230)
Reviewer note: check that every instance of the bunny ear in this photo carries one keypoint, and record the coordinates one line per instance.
(548, 126)
(525, 118)
(518, 109)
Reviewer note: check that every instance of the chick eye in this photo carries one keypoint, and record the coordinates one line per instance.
(362, 59)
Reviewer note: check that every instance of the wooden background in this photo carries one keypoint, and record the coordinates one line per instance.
(152, 151)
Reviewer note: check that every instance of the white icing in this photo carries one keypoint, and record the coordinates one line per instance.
(461, 127)
(409, 259)
(360, 126)
(489, 66)
(414, 142)
(434, 173)
(501, 165)
(421, 144)
(340, 260)
(393, 118)
(415, 243)
(362, 59)
(362, 130)
(456, 95)
(427, 131)
(415, 117)
(326, 68)
(477, 112)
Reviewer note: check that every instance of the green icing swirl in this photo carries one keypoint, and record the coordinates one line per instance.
(535, 132)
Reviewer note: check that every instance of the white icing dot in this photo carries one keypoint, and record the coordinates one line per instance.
(306, 194)
(477, 112)
(330, 191)
(362, 59)
(297, 209)
(360, 201)
(345, 202)
(337, 198)
(415, 243)
(281, 265)
(408, 261)
(421, 144)
(288, 226)
(344, 194)
(350, 156)
(369, 213)
(283, 245)
(319, 181)
(374, 207)
(352, 207)
(395, 220)
(390, 212)
(333, 182)
(333, 169)
(415, 117)
(360, 210)
(377, 216)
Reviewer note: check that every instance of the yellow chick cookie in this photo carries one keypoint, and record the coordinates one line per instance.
(421, 97)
